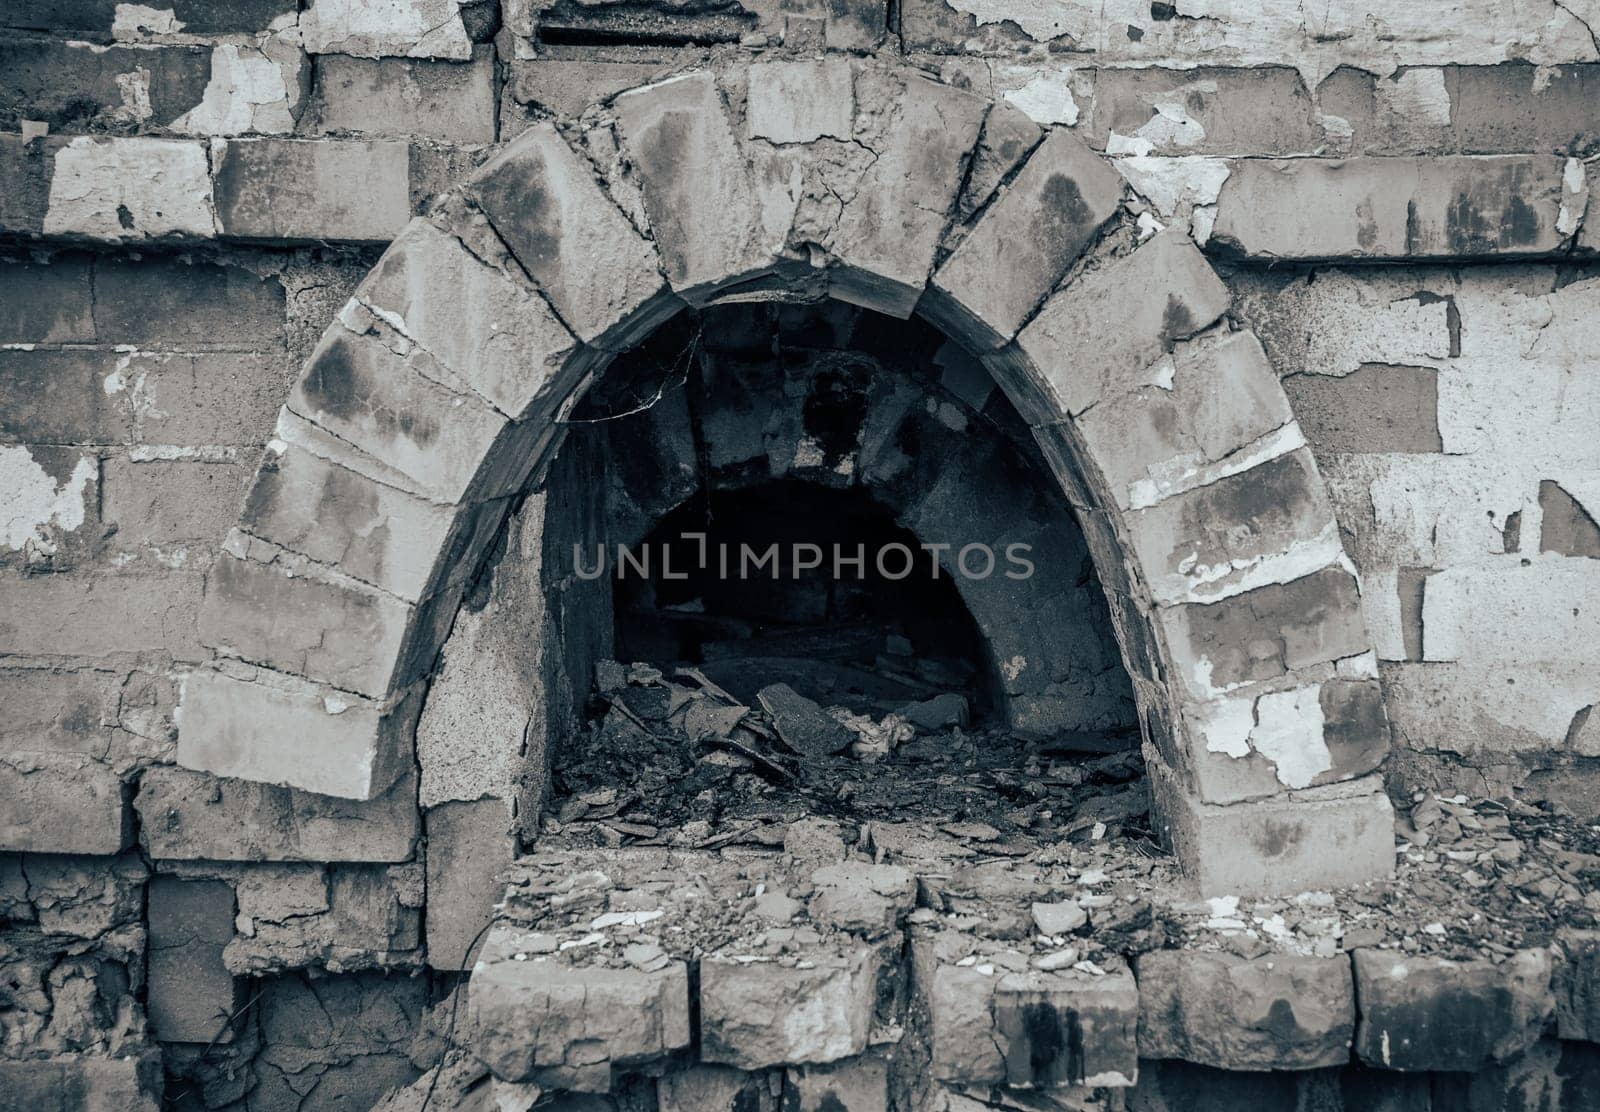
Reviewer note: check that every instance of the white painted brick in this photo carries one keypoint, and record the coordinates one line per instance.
(1513, 610)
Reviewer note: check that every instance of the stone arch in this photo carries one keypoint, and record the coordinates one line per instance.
(436, 397)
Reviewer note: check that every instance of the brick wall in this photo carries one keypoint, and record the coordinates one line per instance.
(189, 192)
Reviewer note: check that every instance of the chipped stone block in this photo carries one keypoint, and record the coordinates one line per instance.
(886, 236)
(1008, 136)
(190, 815)
(84, 1083)
(191, 994)
(855, 896)
(312, 190)
(599, 273)
(1221, 409)
(1264, 633)
(131, 189)
(1577, 985)
(280, 730)
(392, 98)
(1428, 1013)
(1009, 262)
(470, 844)
(1280, 1012)
(1319, 838)
(404, 544)
(482, 323)
(1392, 208)
(1269, 524)
(760, 1013)
(718, 1089)
(1036, 1029)
(71, 84)
(57, 803)
(372, 921)
(330, 629)
(1257, 110)
(1114, 323)
(402, 409)
(1374, 409)
(568, 1027)
(407, 28)
(853, 1085)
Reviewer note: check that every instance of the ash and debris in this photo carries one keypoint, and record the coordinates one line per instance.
(1019, 850)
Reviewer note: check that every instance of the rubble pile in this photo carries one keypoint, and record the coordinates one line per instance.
(683, 762)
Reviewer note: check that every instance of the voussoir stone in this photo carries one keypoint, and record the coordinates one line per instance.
(1101, 334)
(599, 273)
(281, 730)
(1429, 1013)
(1025, 242)
(1282, 1012)
(480, 322)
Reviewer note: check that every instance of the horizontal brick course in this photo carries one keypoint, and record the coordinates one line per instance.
(74, 86)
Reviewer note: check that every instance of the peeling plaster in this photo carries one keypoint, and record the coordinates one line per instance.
(249, 91)
(129, 189)
(31, 503)
(1183, 189)
(1288, 732)
(379, 28)
(1047, 99)
(137, 20)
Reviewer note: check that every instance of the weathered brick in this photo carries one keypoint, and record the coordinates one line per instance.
(1269, 524)
(598, 272)
(1403, 113)
(171, 303)
(397, 98)
(1256, 110)
(1098, 336)
(1035, 1029)
(59, 803)
(1320, 838)
(1280, 1012)
(1550, 603)
(333, 630)
(191, 994)
(482, 323)
(1024, 243)
(57, 710)
(282, 731)
(97, 17)
(764, 1014)
(713, 221)
(131, 189)
(26, 169)
(887, 235)
(96, 616)
(1429, 1013)
(470, 844)
(1519, 107)
(1391, 208)
(46, 302)
(398, 410)
(300, 190)
(854, 1085)
(176, 510)
(382, 535)
(1222, 400)
(72, 85)
(570, 1028)
(84, 1083)
(187, 816)
(1265, 632)
(1374, 409)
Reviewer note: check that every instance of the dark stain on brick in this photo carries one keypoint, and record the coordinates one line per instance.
(659, 155)
(1493, 214)
(1068, 219)
(1275, 838)
(1055, 1045)
(1247, 508)
(1281, 1024)
(1176, 321)
(521, 209)
(1355, 727)
(336, 384)
(1367, 225)
(831, 1103)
